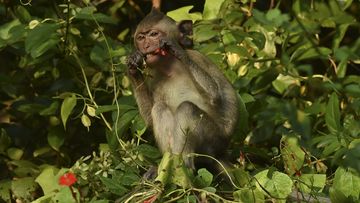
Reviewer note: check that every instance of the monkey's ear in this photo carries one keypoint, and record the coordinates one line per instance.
(186, 31)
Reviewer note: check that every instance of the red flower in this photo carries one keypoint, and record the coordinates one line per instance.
(151, 199)
(68, 179)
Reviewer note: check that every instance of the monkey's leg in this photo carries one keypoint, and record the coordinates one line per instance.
(195, 131)
(163, 126)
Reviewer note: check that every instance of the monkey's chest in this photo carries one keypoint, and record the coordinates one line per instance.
(177, 91)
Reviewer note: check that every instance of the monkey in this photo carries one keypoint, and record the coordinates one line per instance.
(187, 101)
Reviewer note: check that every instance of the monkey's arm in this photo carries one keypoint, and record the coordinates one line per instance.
(204, 81)
(142, 94)
(145, 102)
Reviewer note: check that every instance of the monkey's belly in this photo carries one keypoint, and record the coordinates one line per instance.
(179, 91)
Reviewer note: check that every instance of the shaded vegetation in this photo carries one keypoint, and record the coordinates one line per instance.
(66, 104)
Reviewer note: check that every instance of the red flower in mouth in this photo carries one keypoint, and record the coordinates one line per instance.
(68, 179)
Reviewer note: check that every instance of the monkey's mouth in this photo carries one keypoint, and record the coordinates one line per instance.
(153, 56)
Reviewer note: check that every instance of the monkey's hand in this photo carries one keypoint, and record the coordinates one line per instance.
(172, 47)
(135, 61)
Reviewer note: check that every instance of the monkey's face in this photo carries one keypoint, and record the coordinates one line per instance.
(148, 42)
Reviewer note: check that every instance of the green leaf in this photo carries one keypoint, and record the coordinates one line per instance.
(65, 195)
(340, 33)
(310, 183)
(264, 40)
(41, 151)
(99, 54)
(51, 110)
(204, 32)
(203, 179)
(233, 37)
(282, 82)
(149, 151)
(183, 13)
(275, 16)
(23, 188)
(278, 184)
(264, 80)
(106, 108)
(5, 141)
(56, 137)
(31, 108)
(292, 154)
(241, 177)
(23, 14)
(7, 34)
(318, 52)
(341, 69)
(332, 114)
(15, 153)
(243, 122)
(139, 126)
(240, 51)
(249, 195)
(42, 38)
(211, 9)
(66, 108)
(114, 185)
(128, 178)
(49, 179)
(125, 121)
(5, 187)
(347, 181)
(88, 13)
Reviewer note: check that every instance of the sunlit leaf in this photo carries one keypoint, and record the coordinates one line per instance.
(211, 9)
(347, 182)
(312, 182)
(183, 13)
(249, 195)
(203, 178)
(278, 184)
(48, 180)
(292, 154)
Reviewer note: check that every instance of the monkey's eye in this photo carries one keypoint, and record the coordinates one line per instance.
(154, 33)
(140, 37)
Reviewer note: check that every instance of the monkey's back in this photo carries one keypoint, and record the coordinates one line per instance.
(227, 115)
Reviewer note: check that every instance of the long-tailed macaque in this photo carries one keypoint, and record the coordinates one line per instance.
(187, 101)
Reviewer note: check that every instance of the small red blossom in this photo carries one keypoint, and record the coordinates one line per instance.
(160, 51)
(68, 179)
(151, 199)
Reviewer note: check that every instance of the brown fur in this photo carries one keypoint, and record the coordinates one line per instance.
(188, 102)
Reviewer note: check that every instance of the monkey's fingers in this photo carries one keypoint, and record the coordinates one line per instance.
(135, 60)
(133, 71)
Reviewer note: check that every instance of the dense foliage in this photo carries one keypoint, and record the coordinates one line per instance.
(71, 131)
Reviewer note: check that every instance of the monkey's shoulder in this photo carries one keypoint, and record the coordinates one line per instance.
(206, 64)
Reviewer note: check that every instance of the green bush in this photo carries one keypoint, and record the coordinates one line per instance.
(67, 107)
